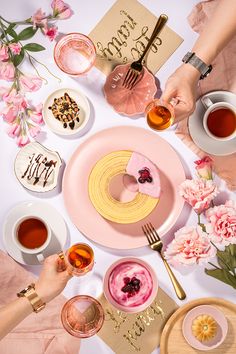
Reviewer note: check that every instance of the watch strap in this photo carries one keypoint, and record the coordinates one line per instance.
(197, 63)
(35, 301)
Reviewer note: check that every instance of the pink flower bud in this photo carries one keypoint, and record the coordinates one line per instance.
(204, 167)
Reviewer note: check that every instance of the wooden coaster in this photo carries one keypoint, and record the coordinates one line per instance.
(172, 340)
(101, 175)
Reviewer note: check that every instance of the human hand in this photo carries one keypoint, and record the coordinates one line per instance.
(181, 87)
(52, 279)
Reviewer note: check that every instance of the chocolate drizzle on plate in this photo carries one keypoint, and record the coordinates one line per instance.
(39, 169)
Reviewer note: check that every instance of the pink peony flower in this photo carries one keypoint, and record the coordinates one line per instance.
(61, 10)
(7, 71)
(30, 83)
(51, 32)
(9, 113)
(38, 18)
(15, 48)
(222, 226)
(36, 114)
(4, 53)
(204, 167)
(14, 130)
(22, 140)
(34, 130)
(190, 246)
(198, 193)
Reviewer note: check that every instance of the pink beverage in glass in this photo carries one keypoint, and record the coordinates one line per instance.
(79, 259)
(82, 316)
(75, 54)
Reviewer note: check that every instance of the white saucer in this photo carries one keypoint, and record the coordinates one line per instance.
(197, 132)
(55, 125)
(47, 213)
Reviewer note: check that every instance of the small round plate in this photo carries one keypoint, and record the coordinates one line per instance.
(219, 318)
(37, 167)
(47, 213)
(129, 102)
(198, 133)
(55, 125)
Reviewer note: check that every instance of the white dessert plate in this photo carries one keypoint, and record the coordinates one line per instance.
(37, 167)
(47, 213)
(198, 133)
(55, 125)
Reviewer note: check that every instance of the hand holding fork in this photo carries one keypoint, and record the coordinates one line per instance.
(136, 67)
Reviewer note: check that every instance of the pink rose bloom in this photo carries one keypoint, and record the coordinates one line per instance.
(7, 71)
(204, 167)
(3, 53)
(190, 246)
(51, 33)
(61, 10)
(222, 226)
(198, 193)
(38, 18)
(34, 130)
(15, 48)
(14, 130)
(30, 83)
(9, 113)
(36, 114)
(22, 140)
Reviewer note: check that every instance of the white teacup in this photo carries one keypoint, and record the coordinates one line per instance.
(210, 108)
(23, 230)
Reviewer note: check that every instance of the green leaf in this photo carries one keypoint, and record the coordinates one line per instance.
(33, 47)
(27, 33)
(227, 258)
(11, 31)
(18, 58)
(222, 275)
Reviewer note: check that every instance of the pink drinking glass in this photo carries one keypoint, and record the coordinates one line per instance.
(82, 316)
(75, 54)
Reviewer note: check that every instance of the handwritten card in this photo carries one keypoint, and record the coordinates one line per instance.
(136, 333)
(123, 33)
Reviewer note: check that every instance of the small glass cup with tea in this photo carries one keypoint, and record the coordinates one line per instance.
(79, 259)
(160, 115)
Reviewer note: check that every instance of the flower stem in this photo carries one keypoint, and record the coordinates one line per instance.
(41, 77)
(37, 61)
(213, 265)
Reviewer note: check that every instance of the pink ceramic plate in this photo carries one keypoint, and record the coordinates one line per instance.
(219, 318)
(129, 102)
(75, 186)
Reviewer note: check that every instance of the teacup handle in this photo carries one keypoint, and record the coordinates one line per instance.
(40, 257)
(206, 102)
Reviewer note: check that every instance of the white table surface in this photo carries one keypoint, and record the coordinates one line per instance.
(86, 15)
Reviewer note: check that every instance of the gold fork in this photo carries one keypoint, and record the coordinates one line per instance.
(136, 67)
(156, 245)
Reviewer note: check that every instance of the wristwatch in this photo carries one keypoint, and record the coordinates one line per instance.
(202, 67)
(33, 297)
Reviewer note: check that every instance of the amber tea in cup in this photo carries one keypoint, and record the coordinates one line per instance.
(219, 120)
(79, 259)
(32, 233)
(159, 115)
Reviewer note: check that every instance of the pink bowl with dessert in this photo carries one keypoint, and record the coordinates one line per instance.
(130, 285)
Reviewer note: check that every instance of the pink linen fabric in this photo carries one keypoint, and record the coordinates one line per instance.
(222, 77)
(40, 333)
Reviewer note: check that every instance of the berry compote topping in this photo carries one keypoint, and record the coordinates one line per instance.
(131, 286)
